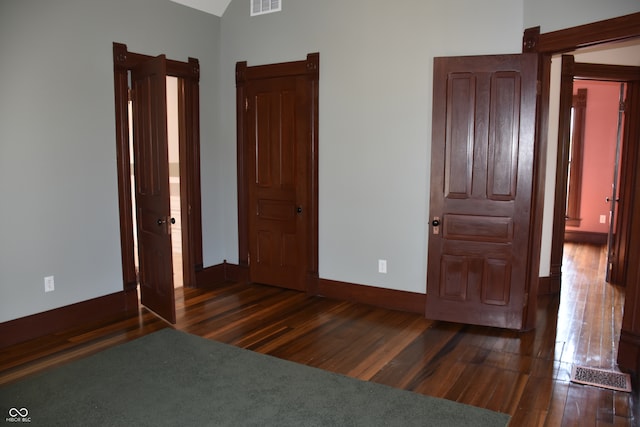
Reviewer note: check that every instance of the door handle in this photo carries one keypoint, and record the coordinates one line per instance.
(608, 199)
(161, 221)
(436, 225)
(299, 209)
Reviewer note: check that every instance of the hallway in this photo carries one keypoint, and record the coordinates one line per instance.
(590, 314)
(588, 332)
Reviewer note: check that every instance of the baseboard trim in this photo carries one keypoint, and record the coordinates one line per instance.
(629, 352)
(555, 278)
(210, 276)
(106, 308)
(221, 273)
(125, 303)
(544, 286)
(380, 297)
(576, 236)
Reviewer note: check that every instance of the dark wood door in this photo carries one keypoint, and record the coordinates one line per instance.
(614, 261)
(151, 162)
(482, 159)
(621, 203)
(622, 237)
(278, 133)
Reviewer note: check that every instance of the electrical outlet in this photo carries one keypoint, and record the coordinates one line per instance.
(603, 219)
(382, 266)
(49, 285)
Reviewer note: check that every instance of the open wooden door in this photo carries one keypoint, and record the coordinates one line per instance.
(482, 163)
(148, 81)
(618, 257)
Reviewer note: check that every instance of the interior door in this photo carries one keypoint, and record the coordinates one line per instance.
(148, 81)
(621, 206)
(278, 121)
(482, 162)
(613, 261)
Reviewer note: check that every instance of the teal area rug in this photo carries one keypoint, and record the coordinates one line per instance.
(171, 378)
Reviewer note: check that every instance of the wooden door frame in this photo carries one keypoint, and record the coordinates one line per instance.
(311, 69)
(547, 45)
(188, 74)
(567, 40)
(602, 72)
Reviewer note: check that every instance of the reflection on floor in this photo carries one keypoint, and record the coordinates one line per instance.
(590, 313)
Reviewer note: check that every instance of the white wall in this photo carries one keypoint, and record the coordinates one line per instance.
(552, 15)
(58, 185)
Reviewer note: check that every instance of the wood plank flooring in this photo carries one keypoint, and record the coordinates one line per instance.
(523, 374)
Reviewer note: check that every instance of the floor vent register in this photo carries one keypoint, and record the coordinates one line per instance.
(601, 378)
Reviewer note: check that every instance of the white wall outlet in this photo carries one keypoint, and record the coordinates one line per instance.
(382, 266)
(49, 285)
(603, 219)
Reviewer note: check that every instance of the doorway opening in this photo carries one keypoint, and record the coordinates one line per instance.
(604, 153)
(593, 178)
(607, 65)
(587, 298)
(150, 218)
(174, 181)
(602, 34)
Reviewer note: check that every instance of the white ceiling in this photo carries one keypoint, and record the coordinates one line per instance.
(214, 7)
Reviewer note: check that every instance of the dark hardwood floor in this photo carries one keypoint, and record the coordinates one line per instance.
(523, 374)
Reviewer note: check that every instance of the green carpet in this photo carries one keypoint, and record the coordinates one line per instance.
(170, 378)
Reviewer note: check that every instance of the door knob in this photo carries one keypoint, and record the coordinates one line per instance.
(161, 221)
(173, 220)
(299, 209)
(436, 225)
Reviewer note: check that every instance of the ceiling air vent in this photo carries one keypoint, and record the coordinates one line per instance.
(260, 7)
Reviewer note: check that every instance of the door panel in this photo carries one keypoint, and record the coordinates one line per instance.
(152, 186)
(614, 262)
(621, 212)
(278, 143)
(481, 189)
(629, 165)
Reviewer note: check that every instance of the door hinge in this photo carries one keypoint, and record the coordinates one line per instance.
(129, 95)
(623, 107)
(538, 87)
(246, 105)
(526, 299)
